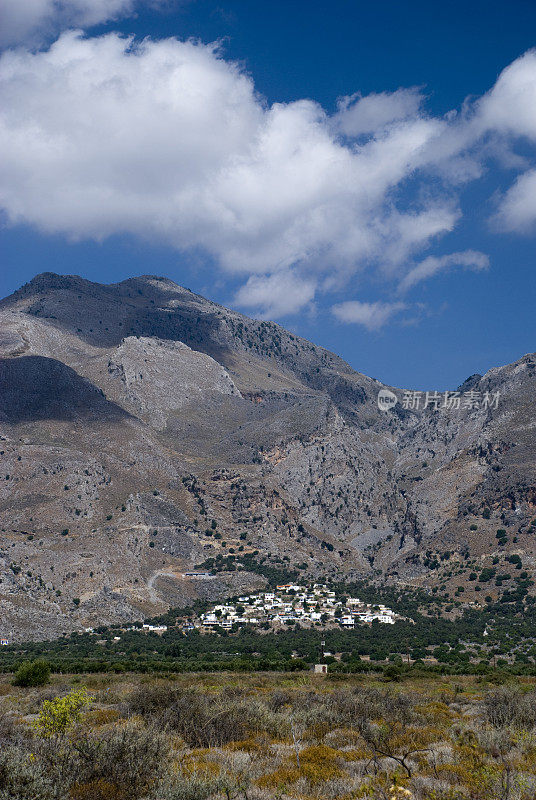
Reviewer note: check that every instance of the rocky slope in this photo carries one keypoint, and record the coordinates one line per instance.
(145, 430)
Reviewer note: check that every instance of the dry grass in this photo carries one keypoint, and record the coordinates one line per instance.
(267, 736)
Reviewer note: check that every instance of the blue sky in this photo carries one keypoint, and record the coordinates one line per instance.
(395, 227)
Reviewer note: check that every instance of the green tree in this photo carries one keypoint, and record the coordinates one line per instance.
(32, 673)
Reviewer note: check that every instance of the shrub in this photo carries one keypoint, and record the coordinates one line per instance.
(317, 765)
(98, 789)
(126, 759)
(7, 728)
(32, 673)
(200, 720)
(61, 713)
(509, 707)
(22, 778)
(150, 701)
(392, 673)
(487, 574)
(101, 716)
(189, 787)
(279, 699)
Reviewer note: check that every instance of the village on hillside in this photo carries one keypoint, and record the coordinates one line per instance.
(288, 604)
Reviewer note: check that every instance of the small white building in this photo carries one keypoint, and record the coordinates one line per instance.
(201, 575)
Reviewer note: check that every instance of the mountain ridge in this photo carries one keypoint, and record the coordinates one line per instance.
(174, 432)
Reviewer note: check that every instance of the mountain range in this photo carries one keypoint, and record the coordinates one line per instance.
(147, 432)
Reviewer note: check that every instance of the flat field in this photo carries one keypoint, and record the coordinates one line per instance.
(268, 736)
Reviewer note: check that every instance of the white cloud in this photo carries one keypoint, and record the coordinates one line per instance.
(510, 109)
(469, 259)
(168, 140)
(517, 211)
(31, 20)
(371, 315)
(278, 294)
(510, 106)
(358, 115)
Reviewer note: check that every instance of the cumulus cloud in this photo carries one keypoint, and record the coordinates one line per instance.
(469, 259)
(510, 109)
(371, 315)
(167, 139)
(358, 115)
(276, 295)
(517, 211)
(170, 141)
(32, 20)
(510, 106)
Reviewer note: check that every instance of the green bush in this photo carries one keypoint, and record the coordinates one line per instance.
(392, 673)
(32, 673)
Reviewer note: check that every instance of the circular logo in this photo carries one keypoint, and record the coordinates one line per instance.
(386, 399)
